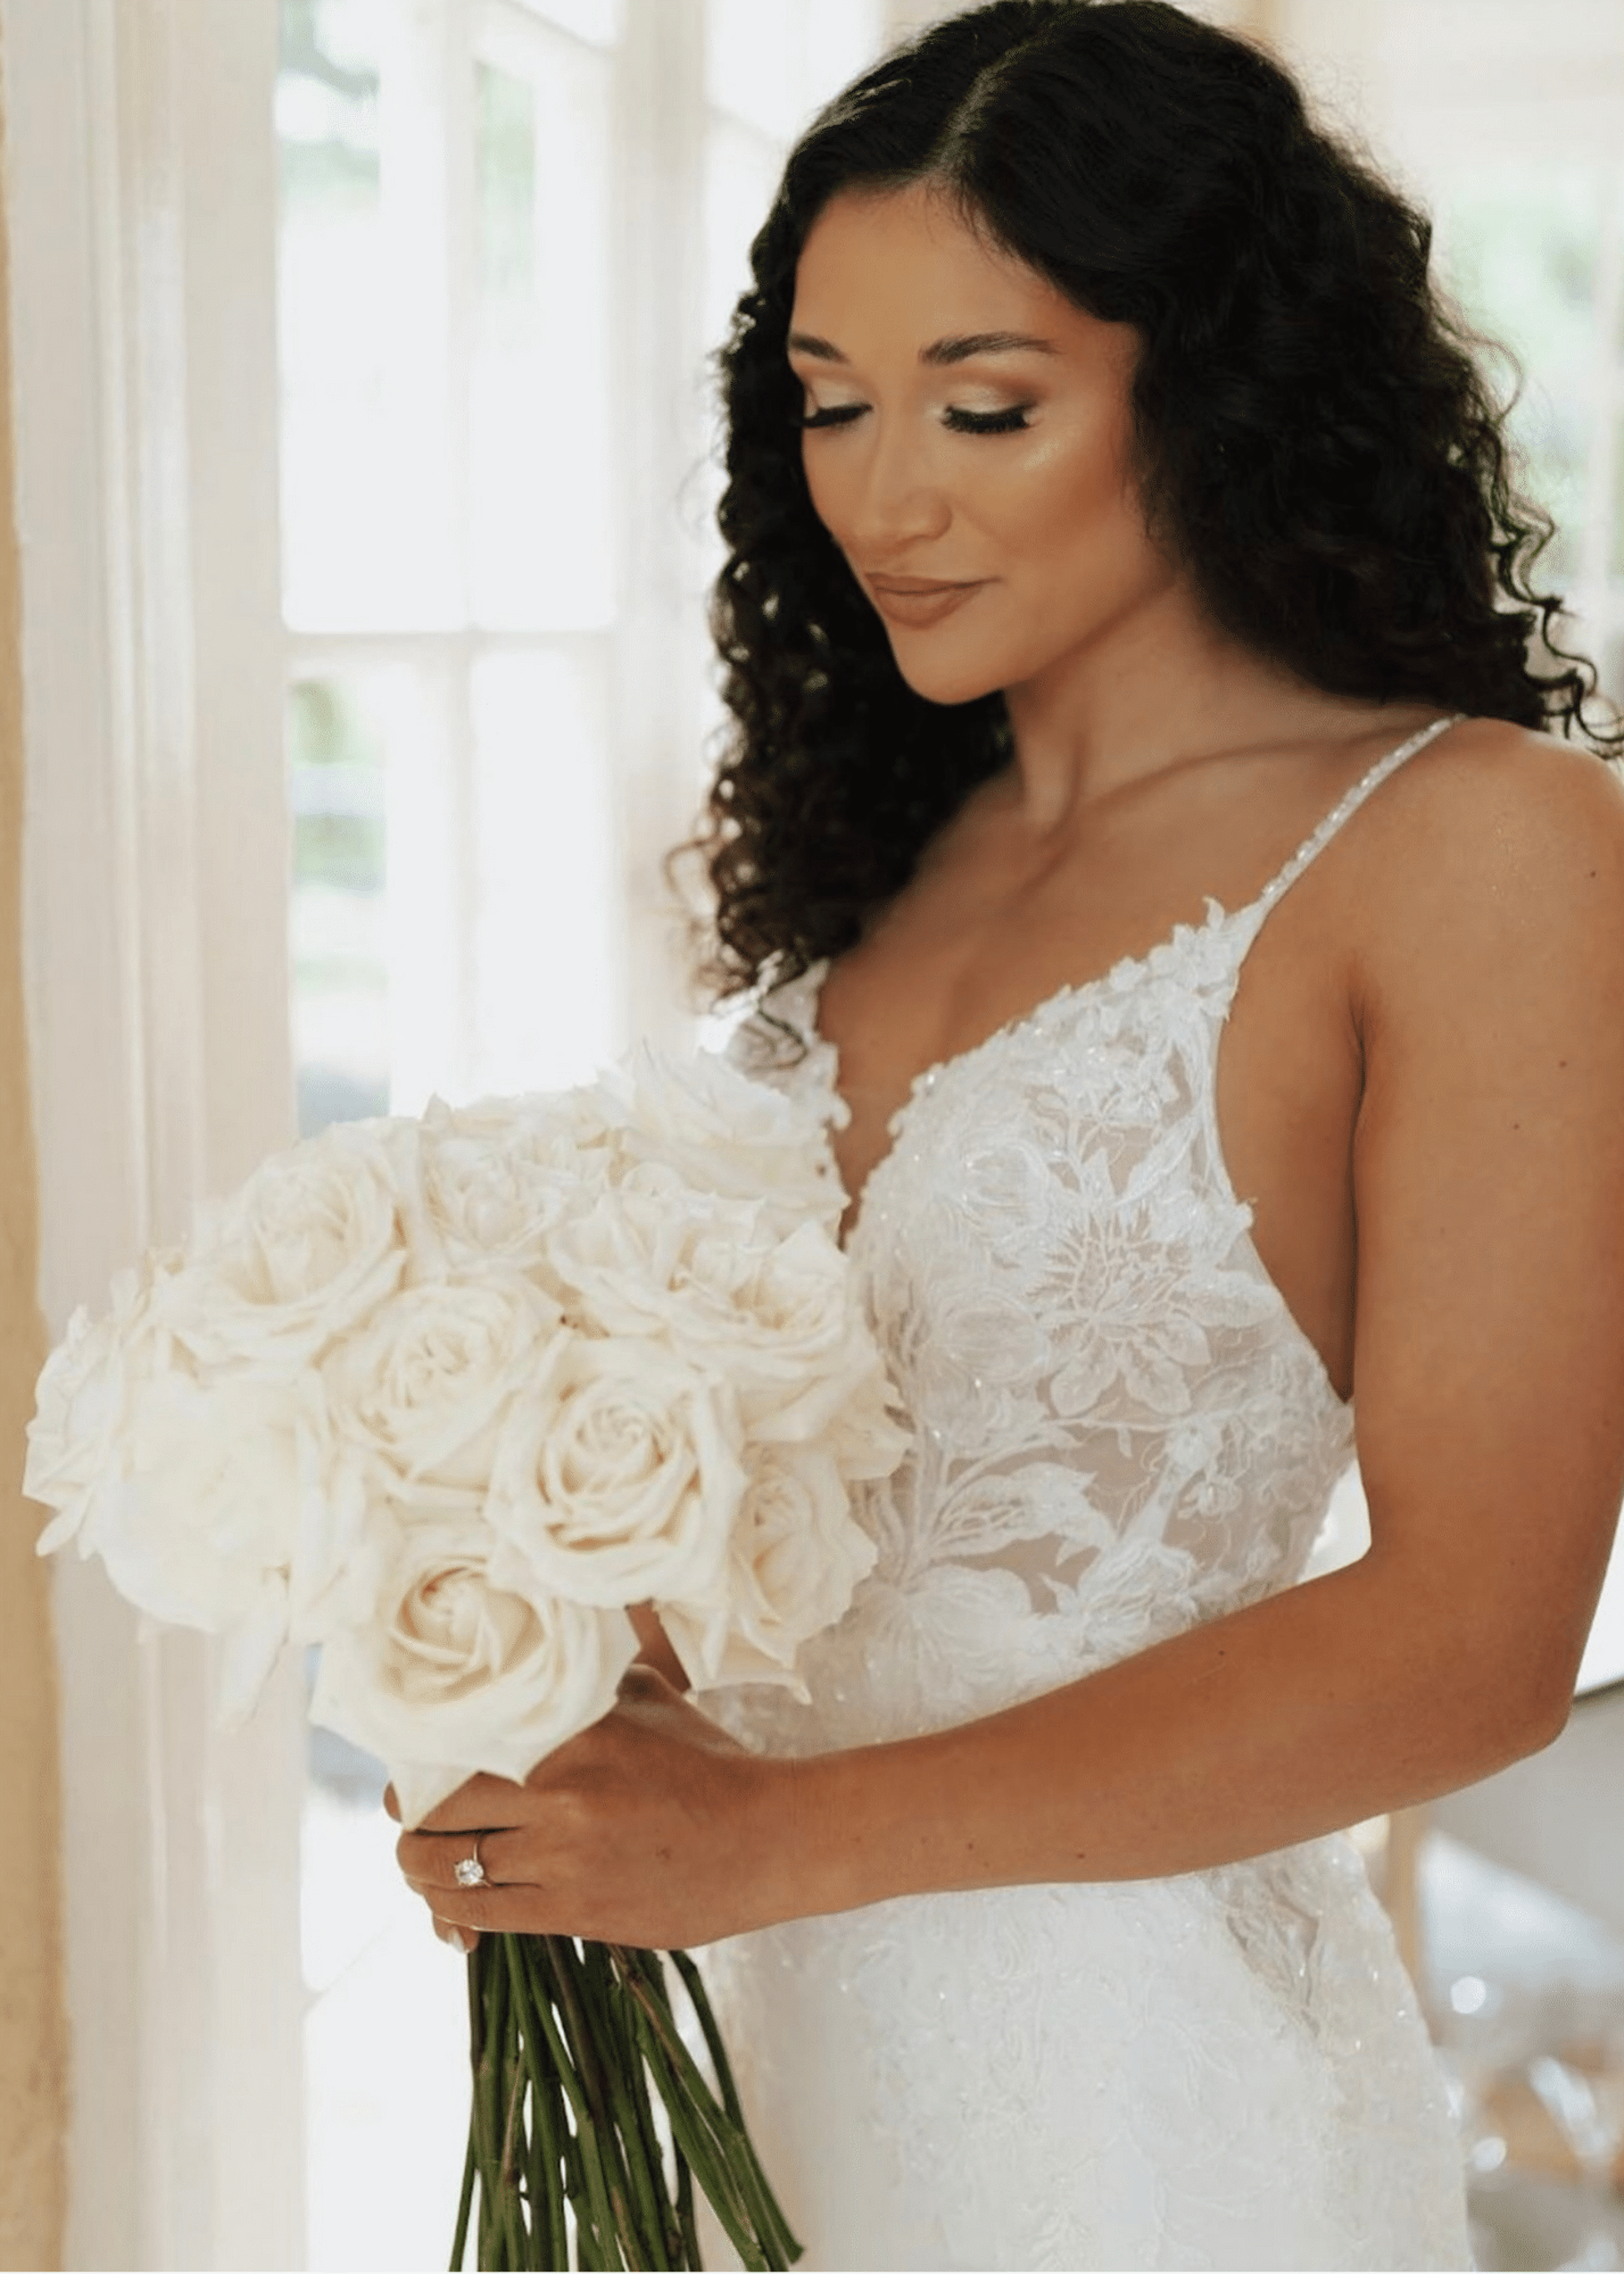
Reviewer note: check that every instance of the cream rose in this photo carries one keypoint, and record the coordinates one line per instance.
(774, 1313)
(422, 1388)
(796, 1555)
(499, 1176)
(453, 1673)
(201, 1524)
(650, 1257)
(623, 1481)
(724, 1134)
(310, 1246)
(76, 1439)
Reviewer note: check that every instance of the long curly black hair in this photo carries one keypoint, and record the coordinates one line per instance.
(1314, 441)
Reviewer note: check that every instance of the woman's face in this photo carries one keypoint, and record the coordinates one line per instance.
(969, 449)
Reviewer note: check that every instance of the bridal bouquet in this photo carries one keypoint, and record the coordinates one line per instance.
(444, 1398)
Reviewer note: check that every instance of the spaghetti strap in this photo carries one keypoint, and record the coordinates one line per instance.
(1313, 845)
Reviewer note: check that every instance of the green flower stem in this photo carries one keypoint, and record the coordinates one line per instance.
(567, 2041)
(693, 1983)
(488, 2094)
(547, 1986)
(686, 2225)
(598, 2142)
(693, 2143)
(549, 2240)
(512, 2210)
(762, 2198)
(588, 2256)
(710, 2148)
(635, 2072)
(599, 1977)
(759, 2208)
(526, 2177)
(459, 2248)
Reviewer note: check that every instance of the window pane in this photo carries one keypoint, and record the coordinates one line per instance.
(601, 21)
(368, 531)
(340, 961)
(549, 915)
(378, 1013)
(1522, 254)
(543, 383)
(770, 63)
(741, 175)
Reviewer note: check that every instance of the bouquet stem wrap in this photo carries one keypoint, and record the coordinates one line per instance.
(576, 2053)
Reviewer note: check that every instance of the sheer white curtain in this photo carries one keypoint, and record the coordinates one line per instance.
(140, 191)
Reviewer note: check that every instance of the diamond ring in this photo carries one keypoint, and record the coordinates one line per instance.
(470, 1870)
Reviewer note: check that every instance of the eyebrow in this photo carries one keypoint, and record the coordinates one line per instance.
(958, 349)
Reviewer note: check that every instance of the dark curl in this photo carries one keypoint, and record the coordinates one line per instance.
(1315, 443)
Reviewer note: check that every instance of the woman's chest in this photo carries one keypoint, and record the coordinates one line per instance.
(1271, 1061)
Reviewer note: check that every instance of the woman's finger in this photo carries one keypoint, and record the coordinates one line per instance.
(460, 1939)
(429, 1859)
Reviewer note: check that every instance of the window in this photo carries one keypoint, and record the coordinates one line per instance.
(509, 236)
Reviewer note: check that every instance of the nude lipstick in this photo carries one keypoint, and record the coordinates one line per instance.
(916, 602)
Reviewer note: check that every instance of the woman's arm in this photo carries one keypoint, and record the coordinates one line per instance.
(1489, 1356)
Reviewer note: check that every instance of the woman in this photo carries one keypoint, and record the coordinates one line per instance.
(1127, 633)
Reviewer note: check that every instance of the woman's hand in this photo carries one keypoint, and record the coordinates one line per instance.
(650, 1828)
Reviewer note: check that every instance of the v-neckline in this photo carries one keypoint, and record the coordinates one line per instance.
(1070, 993)
(1126, 968)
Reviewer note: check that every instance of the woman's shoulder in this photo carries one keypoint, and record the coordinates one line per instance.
(1495, 845)
(1485, 774)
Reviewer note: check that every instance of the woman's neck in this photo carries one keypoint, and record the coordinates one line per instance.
(1162, 688)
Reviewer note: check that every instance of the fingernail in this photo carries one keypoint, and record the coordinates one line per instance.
(458, 1940)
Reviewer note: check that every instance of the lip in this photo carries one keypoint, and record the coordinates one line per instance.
(917, 602)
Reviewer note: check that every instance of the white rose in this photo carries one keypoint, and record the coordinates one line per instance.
(650, 1257)
(795, 1341)
(796, 1555)
(82, 1399)
(723, 1132)
(864, 1438)
(622, 1482)
(202, 1527)
(310, 1246)
(453, 1673)
(778, 1317)
(423, 1385)
(499, 1176)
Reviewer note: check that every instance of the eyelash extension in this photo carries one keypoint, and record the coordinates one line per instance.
(988, 422)
(1013, 421)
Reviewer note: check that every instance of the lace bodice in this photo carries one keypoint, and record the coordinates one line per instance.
(1119, 1431)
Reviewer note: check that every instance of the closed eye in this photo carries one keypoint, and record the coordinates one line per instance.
(1012, 421)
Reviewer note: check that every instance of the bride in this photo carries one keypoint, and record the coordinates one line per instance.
(1138, 837)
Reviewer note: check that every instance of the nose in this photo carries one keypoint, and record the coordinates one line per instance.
(897, 500)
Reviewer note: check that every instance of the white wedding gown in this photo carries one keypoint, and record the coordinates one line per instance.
(1120, 1432)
